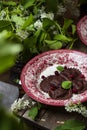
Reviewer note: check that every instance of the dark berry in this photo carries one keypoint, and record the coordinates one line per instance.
(43, 77)
(74, 90)
(82, 76)
(56, 73)
(65, 67)
(71, 76)
(53, 88)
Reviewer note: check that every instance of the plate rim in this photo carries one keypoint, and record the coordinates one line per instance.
(78, 29)
(63, 102)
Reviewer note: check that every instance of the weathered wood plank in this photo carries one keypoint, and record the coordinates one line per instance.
(50, 117)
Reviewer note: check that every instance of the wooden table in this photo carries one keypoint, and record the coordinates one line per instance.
(49, 117)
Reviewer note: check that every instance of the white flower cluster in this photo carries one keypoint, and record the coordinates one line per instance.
(2, 14)
(20, 104)
(22, 34)
(42, 14)
(38, 24)
(79, 108)
(47, 15)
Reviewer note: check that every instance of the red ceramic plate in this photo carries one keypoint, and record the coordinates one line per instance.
(45, 64)
(82, 29)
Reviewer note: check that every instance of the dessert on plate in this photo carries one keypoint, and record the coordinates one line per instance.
(63, 84)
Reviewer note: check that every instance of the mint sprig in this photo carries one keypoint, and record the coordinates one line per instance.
(60, 68)
(67, 84)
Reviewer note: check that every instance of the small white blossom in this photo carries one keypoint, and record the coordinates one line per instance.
(55, 32)
(23, 34)
(2, 15)
(50, 16)
(80, 108)
(47, 15)
(33, 103)
(43, 15)
(38, 24)
(19, 104)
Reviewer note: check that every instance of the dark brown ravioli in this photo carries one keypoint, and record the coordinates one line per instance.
(70, 73)
(60, 93)
(53, 84)
(80, 85)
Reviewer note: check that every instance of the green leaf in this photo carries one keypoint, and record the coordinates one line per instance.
(9, 3)
(37, 33)
(30, 45)
(5, 25)
(59, 128)
(60, 68)
(5, 35)
(17, 19)
(8, 53)
(47, 23)
(43, 36)
(66, 84)
(54, 44)
(28, 21)
(6, 62)
(67, 24)
(73, 29)
(33, 112)
(71, 124)
(29, 3)
(63, 38)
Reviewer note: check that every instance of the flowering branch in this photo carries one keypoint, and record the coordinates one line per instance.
(21, 104)
(79, 108)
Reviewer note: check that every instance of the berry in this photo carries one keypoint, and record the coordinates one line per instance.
(82, 76)
(71, 76)
(65, 67)
(43, 77)
(53, 88)
(74, 90)
(56, 73)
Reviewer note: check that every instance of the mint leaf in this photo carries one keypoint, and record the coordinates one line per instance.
(71, 124)
(73, 29)
(67, 24)
(63, 38)
(60, 68)
(5, 25)
(66, 84)
(33, 112)
(29, 3)
(28, 22)
(9, 3)
(54, 44)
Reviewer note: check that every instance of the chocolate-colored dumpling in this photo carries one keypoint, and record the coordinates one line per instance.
(53, 84)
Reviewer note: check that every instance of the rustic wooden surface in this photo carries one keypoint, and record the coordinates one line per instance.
(49, 117)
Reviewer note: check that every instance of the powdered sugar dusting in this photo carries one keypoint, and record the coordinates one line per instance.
(46, 64)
